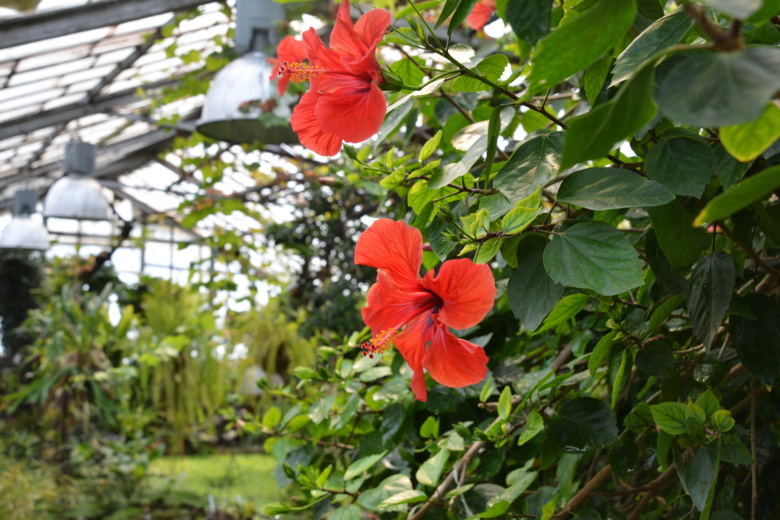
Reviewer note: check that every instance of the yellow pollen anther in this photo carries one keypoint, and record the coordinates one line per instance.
(300, 71)
(380, 343)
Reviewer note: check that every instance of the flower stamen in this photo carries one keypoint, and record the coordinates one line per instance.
(299, 72)
(380, 343)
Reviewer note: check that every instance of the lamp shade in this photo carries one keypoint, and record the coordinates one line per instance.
(74, 196)
(24, 233)
(242, 105)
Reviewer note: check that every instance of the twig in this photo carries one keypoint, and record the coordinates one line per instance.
(753, 467)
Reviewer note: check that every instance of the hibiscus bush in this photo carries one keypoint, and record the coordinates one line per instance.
(591, 188)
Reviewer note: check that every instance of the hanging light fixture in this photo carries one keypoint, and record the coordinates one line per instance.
(23, 232)
(242, 105)
(76, 195)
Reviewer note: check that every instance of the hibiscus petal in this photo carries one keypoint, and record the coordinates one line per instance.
(343, 37)
(319, 55)
(411, 344)
(452, 361)
(394, 247)
(304, 123)
(467, 291)
(481, 14)
(371, 27)
(354, 117)
(390, 307)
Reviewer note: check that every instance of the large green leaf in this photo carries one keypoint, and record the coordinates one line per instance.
(611, 188)
(670, 417)
(728, 169)
(561, 53)
(531, 165)
(592, 135)
(742, 195)
(757, 340)
(430, 470)
(391, 486)
(656, 359)
(530, 19)
(564, 310)
(748, 140)
(700, 475)
(681, 243)
(362, 465)
(660, 35)
(681, 164)
(350, 512)
(712, 283)
(532, 293)
(594, 255)
(584, 424)
(719, 89)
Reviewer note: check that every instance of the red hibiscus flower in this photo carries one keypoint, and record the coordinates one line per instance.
(289, 50)
(413, 313)
(344, 102)
(481, 13)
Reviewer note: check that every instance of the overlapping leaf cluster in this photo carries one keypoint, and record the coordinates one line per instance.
(616, 163)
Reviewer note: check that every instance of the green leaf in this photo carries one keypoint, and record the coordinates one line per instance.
(430, 470)
(727, 168)
(491, 68)
(594, 255)
(712, 283)
(732, 450)
(458, 491)
(350, 512)
(681, 243)
(749, 140)
(611, 188)
(532, 293)
(722, 420)
(565, 309)
(695, 412)
(496, 509)
(460, 14)
(523, 214)
(662, 448)
(456, 170)
(700, 475)
(505, 403)
(683, 165)
(708, 403)
(662, 312)
(601, 352)
(488, 250)
(720, 88)
(272, 417)
(747, 192)
(531, 165)
(391, 486)
(446, 11)
(321, 408)
(534, 425)
(670, 417)
(430, 146)
(360, 466)
(592, 135)
(757, 340)
(561, 53)
(741, 9)
(530, 20)
(350, 409)
(620, 377)
(660, 35)
(488, 389)
(656, 359)
(430, 428)
(584, 424)
(594, 78)
(404, 497)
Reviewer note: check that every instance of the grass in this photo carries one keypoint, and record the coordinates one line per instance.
(226, 476)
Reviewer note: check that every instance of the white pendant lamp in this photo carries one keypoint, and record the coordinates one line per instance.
(76, 195)
(23, 232)
(242, 104)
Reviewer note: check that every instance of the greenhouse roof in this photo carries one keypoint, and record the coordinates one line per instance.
(91, 70)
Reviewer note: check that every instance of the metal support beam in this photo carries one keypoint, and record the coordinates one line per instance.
(37, 27)
(68, 113)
